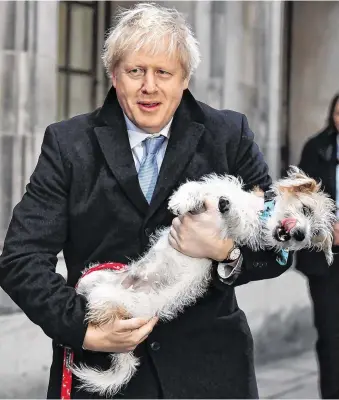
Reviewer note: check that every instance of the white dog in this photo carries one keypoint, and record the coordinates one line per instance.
(302, 217)
(164, 281)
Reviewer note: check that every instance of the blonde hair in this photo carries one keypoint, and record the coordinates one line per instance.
(158, 28)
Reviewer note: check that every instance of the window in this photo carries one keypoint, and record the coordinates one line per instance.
(77, 57)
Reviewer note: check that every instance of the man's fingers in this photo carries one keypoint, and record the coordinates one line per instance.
(176, 223)
(132, 324)
(145, 330)
(172, 242)
(209, 204)
(174, 234)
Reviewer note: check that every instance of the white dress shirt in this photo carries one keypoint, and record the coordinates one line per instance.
(137, 135)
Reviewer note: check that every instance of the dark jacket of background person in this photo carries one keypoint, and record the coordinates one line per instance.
(319, 160)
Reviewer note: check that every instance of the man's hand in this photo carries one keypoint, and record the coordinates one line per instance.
(199, 235)
(336, 234)
(119, 336)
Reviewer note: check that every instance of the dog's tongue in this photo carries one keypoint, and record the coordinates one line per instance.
(288, 224)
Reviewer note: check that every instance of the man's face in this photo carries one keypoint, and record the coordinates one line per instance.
(336, 115)
(149, 88)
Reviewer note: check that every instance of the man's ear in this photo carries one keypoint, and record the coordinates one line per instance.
(114, 77)
(186, 82)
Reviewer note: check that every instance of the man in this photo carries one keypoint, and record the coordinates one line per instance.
(96, 195)
(319, 159)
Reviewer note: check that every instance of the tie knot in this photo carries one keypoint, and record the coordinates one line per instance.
(153, 144)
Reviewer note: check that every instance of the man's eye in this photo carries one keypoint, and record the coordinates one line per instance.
(163, 73)
(136, 72)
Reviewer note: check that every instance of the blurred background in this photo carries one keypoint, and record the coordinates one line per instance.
(275, 61)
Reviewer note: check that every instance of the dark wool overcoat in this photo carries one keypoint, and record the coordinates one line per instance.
(84, 198)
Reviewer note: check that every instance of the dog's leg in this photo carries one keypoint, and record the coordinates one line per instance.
(189, 197)
(224, 205)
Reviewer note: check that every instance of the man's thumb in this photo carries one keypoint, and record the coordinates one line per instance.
(209, 204)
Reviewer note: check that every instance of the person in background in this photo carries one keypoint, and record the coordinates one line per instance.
(320, 159)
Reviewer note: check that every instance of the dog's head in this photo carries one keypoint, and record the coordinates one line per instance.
(303, 216)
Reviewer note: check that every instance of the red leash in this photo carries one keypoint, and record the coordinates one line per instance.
(66, 382)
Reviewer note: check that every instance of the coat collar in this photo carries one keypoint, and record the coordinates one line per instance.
(111, 131)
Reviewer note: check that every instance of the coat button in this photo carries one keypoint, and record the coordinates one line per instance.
(155, 346)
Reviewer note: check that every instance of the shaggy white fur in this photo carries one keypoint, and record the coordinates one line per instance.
(303, 215)
(164, 281)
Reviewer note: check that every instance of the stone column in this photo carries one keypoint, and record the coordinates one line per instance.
(253, 71)
(275, 78)
(28, 71)
(234, 32)
(202, 25)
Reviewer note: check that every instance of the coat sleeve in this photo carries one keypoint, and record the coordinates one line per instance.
(251, 167)
(36, 234)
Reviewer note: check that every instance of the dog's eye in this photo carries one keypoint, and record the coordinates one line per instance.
(306, 210)
(316, 232)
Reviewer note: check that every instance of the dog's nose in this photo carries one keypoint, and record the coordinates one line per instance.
(224, 205)
(299, 235)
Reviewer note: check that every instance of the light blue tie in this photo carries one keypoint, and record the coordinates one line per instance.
(148, 172)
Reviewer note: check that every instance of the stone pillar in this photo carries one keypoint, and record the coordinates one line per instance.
(253, 69)
(232, 97)
(275, 78)
(28, 71)
(202, 25)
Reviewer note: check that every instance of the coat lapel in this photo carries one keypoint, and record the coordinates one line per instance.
(114, 143)
(186, 131)
(111, 132)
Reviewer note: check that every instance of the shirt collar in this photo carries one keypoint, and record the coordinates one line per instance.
(137, 135)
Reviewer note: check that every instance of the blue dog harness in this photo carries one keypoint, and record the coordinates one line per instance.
(269, 204)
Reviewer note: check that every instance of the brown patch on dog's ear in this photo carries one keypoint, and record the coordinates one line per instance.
(298, 182)
(300, 185)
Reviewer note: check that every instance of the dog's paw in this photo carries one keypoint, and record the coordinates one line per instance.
(188, 198)
(224, 205)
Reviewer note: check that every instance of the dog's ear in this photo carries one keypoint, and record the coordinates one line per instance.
(324, 242)
(328, 250)
(298, 182)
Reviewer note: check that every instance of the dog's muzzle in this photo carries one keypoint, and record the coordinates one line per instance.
(283, 232)
(281, 235)
(287, 230)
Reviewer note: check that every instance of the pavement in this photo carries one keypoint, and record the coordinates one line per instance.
(25, 354)
(289, 378)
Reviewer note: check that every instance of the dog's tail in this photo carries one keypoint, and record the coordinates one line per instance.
(109, 382)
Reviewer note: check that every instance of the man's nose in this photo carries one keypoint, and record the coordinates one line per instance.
(149, 83)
